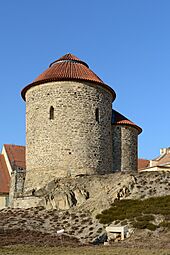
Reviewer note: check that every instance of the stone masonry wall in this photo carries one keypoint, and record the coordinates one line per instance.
(125, 139)
(78, 139)
(16, 183)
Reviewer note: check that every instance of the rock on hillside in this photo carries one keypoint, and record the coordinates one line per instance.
(96, 193)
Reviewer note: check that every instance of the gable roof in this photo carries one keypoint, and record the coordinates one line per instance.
(4, 176)
(163, 159)
(119, 119)
(16, 155)
(143, 163)
(67, 68)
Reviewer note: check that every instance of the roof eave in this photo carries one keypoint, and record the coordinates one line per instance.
(132, 125)
(33, 84)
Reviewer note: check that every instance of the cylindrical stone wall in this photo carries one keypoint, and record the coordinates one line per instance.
(68, 131)
(125, 154)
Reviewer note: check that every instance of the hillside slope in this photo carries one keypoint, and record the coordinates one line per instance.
(73, 203)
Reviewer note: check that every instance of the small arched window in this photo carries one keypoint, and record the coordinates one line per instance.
(97, 114)
(51, 113)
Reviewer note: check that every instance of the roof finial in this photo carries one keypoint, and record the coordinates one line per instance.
(69, 58)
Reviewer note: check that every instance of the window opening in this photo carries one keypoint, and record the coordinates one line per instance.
(33, 192)
(51, 113)
(97, 114)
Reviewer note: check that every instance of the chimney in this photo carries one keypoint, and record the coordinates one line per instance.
(164, 151)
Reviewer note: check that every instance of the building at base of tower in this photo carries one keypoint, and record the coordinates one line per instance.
(125, 143)
(71, 129)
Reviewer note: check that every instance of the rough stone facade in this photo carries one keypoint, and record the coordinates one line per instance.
(16, 183)
(68, 131)
(125, 140)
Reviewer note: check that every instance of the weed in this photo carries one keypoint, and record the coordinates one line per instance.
(140, 210)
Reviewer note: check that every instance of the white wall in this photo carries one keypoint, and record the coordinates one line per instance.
(7, 160)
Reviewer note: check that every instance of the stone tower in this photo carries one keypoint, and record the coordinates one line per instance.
(68, 123)
(125, 143)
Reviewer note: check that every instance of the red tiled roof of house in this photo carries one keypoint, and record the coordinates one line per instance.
(67, 68)
(16, 155)
(143, 163)
(164, 159)
(4, 176)
(119, 119)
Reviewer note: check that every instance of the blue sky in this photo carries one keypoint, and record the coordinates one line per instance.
(125, 42)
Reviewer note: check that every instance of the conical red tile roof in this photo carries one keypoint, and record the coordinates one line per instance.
(68, 57)
(119, 119)
(70, 68)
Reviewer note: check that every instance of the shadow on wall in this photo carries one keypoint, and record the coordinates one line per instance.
(117, 151)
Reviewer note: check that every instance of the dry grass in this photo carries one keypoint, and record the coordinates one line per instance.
(95, 250)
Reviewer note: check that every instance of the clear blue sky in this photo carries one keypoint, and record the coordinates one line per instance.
(125, 42)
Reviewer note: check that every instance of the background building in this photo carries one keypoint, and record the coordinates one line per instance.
(12, 173)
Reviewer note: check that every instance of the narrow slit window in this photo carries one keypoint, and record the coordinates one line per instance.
(51, 113)
(97, 114)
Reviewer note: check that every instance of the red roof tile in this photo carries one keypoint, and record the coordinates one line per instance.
(16, 155)
(68, 68)
(142, 163)
(163, 160)
(68, 57)
(4, 176)
(119, 119)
